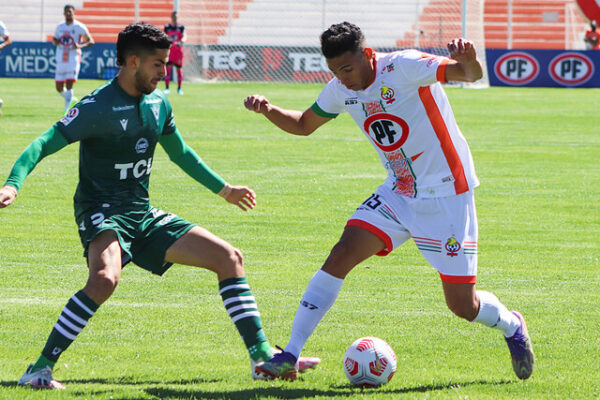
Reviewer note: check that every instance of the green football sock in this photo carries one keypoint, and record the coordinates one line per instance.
(72, 320)
(241, 306)
(42, 363)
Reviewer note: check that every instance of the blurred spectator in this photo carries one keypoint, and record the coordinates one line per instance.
(592, 37)
(176, 33)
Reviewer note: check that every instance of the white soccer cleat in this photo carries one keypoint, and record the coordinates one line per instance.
(40, 379)
(166, 91)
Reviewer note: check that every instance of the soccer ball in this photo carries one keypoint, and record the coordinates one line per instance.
(369, 361)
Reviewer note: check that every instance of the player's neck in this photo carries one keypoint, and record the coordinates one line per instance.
(127, 85)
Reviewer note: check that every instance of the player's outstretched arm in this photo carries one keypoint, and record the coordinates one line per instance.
(187, 159)
(291, 121)
(467, 67)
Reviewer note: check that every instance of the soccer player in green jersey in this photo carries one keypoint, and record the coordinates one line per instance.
(118, 126)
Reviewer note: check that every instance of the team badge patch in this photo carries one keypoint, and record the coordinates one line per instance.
(387, 94)
(452, 246)
(71, 115)
(141, 146)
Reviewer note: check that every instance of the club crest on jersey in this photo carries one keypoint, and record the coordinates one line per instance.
(452, 246)
(124, 124)
(141, 146)
(71, 115)
(387, 94)
(389, 132)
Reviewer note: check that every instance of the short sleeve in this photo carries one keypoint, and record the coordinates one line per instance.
(328, 104)
(420, 68)
(81, 122)
(56, 33)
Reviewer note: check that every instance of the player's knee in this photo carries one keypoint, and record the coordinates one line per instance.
(104, 283)
(234, 262)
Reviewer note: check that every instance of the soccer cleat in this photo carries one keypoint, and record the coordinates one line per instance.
(281, 366)
(303, 364)
(39, 379)
(306, 363)
(167, 91)
(521, 350)
(179, 91)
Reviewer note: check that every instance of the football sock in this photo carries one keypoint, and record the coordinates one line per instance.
(68, 97)
(179, 77)
(168, 77)
(494, 314)
(320, 294)
(72, 320)
(241, 306)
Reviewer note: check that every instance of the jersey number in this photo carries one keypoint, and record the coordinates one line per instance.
(373, 201)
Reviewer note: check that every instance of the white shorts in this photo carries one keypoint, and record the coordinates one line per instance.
(444, 229)
(68, 71)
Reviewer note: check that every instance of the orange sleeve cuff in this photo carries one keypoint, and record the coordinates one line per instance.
(441, 71)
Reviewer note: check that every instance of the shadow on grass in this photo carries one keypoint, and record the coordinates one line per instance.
(346, 390)
(290, 393)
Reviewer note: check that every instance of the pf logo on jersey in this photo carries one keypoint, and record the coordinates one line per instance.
(389, 132)
(517, 68)
(571, 69)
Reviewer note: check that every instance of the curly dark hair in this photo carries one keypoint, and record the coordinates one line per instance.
(340, 38)
(138, 38)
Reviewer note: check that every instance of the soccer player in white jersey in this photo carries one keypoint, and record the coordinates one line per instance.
(5, 41)
(397, 101)
(70, 37)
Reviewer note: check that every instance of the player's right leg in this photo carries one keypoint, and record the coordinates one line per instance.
(355, 245)
(104, 263)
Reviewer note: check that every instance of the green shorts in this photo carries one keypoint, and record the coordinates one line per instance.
(144, 234)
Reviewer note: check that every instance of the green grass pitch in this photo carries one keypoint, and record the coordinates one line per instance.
(536, 153)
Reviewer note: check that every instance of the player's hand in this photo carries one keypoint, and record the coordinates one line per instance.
(241, 196)
(257, 103)
(7, 195)
(462, 50)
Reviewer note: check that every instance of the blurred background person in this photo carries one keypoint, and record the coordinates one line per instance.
(592, 39)
(70, 37)
(176, 33)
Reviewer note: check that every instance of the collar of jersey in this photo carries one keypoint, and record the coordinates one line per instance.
(123, 93)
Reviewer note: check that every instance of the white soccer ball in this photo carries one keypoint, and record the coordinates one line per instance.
(369, 361)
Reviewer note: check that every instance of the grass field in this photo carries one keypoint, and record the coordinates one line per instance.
(536, 153)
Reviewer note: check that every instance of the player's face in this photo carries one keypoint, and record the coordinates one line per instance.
(354, 70)
(151, 70)
(174, 19)
(69, 14)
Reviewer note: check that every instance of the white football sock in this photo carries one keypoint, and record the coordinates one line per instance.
(494, 314)
(320, 294)
(68, 98)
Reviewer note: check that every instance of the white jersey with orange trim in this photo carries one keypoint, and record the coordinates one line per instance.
(406, 116)
(68, 36)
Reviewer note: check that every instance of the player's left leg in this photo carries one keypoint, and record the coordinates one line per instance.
(168, 77)
(70, 99)
(179, 78)
(484, 307)
(199, 247)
